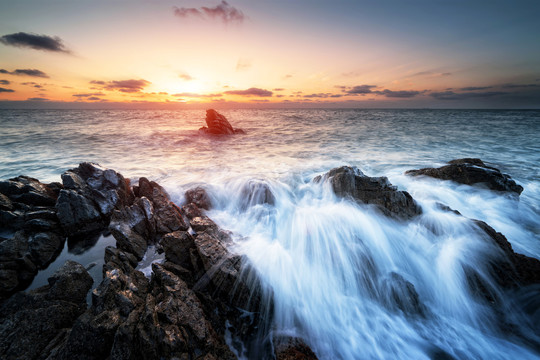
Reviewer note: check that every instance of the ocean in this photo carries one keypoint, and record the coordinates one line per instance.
(319, 254)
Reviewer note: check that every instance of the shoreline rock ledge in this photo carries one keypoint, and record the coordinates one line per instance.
(218, 124)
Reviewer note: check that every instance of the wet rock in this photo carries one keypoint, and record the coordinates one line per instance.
(398, 293)
(471, 171)
(168, 215)
(348, 181)
(77, 214)
(199, 197)
(292, 349)
(191, 211)
(177, 246)
(256, 192)
(30, 191)
(44, 247)
(513, 270)
(5, 203)
(134, 226)
(218, 124)
(33, 324)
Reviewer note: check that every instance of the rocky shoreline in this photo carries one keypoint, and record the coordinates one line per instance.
(204, 301)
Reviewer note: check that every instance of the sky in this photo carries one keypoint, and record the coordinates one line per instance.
(251, 53)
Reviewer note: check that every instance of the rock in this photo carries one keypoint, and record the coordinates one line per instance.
(5, 203)
(44, 247)
(292, 349)
(30, 191)
(177, 246)
(77, 214)
(256, 192)
(398, 293)
(168, 215)
(350, 182)
(191, 211)
(471, 171)
(199, 197)
(218, 124)
(34, 324)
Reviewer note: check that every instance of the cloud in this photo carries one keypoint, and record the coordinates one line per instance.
(6, 90)
(450, 95)
(243, 64)
(288, 76)
(94, 98)
(186, 77)
(359, 89)
(35, 41)
(4, 82)
(323, 95)
(88, 95)
(475, 88)
(250, 92)
(430, 73)
(226, 13)
(195, 95)
(127, 86)
(398, 94)
(278, 89)
(37, 99)
(514, 86)
(27, 72)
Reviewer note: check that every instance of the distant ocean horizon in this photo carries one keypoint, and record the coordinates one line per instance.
(308, 246)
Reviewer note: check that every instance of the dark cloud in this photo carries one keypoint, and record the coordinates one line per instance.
(185, 76)
(250, 92)
(27, 72)
(224, 12)
(446, 74)
(4, 82)
(422, 73)
(450, 95)
(195, 95)
(5, 90)
(323, 95)
(127, 86)
(515, 86)
(398, 94)
(475, 88)
(88, 95)
(94, 98)
(430, 73)
(359, 89)
(35, 41)
(278, 89)
(37, 99)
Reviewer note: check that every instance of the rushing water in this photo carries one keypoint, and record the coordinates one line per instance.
(330, 263)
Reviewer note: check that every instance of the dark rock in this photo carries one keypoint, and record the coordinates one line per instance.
(203, 223)
(398, 293)
(34, 324)
(44, 247)
(77, 214)
(256, 192)
(177, 246)
(11, 219)
(348, 181)
(292, 349)
(199, 197)
(41, 225)
(70, 282)
(191, 211)
(471, 171)
(5, 203)
(27, 190)
(218, 124)
(46, 214)
(168, 215)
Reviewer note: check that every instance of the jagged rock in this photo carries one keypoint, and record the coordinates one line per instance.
(30, 191)
(134, 226)
(77, 214)
(44, 247)
(177, 246)
(191, 211)
(256, 192)
(199, 197)
(218, 124)
(349, 181)
(471, 171)
(33, 324)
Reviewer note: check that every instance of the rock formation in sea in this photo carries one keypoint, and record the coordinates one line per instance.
(471, 171)
(204, 301)
(218, 124)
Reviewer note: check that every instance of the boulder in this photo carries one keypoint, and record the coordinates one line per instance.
(218, 124)
(471, 171)
(350, 182)
(78, 214)
(33, 324)
(199, 197)
(256, 192)
(30, 191)
(292, 349)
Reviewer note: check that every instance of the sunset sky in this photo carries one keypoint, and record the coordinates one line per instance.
(182, 54)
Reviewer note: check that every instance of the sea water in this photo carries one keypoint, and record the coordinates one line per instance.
(327, 261)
